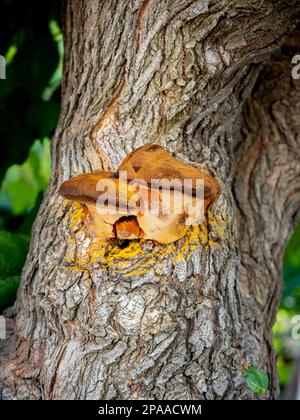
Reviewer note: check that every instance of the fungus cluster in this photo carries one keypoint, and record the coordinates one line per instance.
(152, 196)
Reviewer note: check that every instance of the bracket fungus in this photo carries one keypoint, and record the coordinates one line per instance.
(152, 196)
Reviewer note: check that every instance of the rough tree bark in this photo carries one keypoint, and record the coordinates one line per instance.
(183, 320)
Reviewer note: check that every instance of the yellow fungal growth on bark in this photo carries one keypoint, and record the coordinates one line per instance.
(86, 251)
(154, 219)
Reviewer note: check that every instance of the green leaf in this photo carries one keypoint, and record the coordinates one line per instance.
(22, 183)
(12, 51)
(257, 380)
(19, 188)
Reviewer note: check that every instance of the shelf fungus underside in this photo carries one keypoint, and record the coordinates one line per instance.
(151, 196)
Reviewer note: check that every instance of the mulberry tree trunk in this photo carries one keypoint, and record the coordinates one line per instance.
(208, 81)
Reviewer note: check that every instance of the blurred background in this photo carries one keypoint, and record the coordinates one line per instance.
(32, 44)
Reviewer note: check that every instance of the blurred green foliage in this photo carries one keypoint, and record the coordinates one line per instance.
(33, 54)
(291, 271)
(13, 250)
(32, 43)
(22, 183)
(288, 349)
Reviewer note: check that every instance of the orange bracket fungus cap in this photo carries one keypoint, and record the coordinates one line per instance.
(151, 196)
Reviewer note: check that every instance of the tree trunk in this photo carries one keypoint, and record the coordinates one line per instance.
(179, 321)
